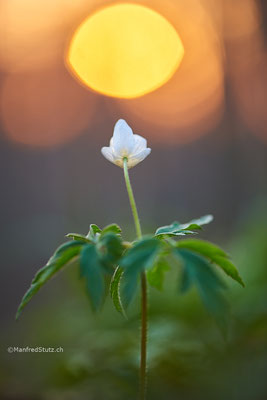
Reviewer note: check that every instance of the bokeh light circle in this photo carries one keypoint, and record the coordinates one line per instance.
(125, 50)
(191, 103)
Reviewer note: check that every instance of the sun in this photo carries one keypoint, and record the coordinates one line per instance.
(125, 51)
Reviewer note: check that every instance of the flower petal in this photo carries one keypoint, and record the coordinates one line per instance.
(108, 154)
(123, 139)
(137, 158)
(140, 144)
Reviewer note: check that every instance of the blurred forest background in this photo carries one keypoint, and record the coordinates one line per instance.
(207, 127)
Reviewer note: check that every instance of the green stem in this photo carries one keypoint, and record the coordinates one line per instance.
(143, 360)
(131, 198)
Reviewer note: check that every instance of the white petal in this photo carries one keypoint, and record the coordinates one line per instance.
(107, 153)
(140, 144)
(137, 158)
(123, 139)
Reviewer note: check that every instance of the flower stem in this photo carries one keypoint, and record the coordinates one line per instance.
(131, 198)
(143, 360)
(143, 366)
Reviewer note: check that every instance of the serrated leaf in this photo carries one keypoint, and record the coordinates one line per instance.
(115, 290)
(155, 275)
(178, 229)
(197, 270)
(62, 256)
(137, 259)
(92, 270)
(113, 228)
(215, 254)
(78, 236)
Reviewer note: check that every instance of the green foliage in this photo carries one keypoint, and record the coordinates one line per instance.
(214, 254)
(189, 228)
(114, 228)
(155, 275)
(62, 256)
(115, 290)
(110, 249)
(78, 236)
(105, 258)
(96, 260)
(94, 232)
(97, 255)
(92, 270)
(136, 260)
(197, 270)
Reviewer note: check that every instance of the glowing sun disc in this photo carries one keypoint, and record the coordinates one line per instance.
(125, 50)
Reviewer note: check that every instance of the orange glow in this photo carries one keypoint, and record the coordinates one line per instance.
(125, 50)
(248, 66)
(33, 32)
(191, 102)
(45, 108)
(241, 19)
(252, 97)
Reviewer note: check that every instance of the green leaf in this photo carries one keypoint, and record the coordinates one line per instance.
(215, 254)
(206, 219)
(201, 246)
(114, 228)
(78, 236)
(197, 270)
(96, 260)
(62, 256)
(193, 227)
(115, 290)
(110, 248)
(61, 249)
(155, 275)
(229, 268)
(92, 270)
(93, 232)
(177, 229)
(173, 230)
(137, 259)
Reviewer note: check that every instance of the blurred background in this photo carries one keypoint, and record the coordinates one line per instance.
(207, 127)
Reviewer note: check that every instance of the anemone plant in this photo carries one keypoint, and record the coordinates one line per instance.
(103, 256)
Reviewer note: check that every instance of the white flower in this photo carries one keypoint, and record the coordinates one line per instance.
(124, 143)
